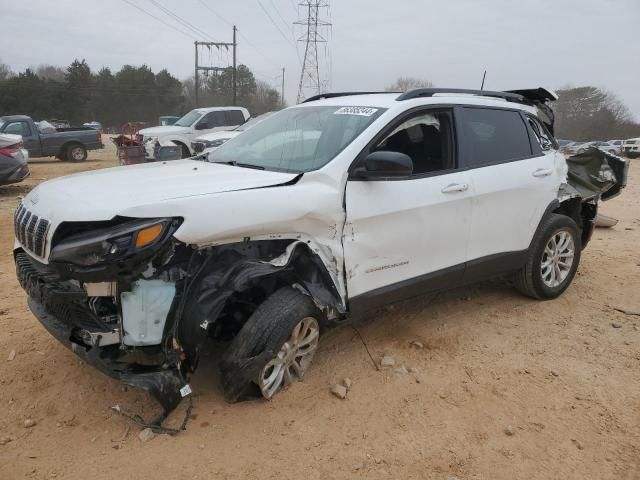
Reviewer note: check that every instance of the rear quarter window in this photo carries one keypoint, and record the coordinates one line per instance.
(493, 136)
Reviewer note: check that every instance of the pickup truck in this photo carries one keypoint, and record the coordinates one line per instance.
(64, 143)
(194, 124)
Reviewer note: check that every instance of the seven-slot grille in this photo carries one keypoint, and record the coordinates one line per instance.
(31, 231)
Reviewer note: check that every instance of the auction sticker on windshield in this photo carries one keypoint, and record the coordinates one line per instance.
(362, 111)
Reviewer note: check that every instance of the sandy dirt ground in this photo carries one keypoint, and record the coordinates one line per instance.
(563, 376)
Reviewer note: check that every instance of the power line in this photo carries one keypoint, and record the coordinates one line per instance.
(158, 19)
(215, 13)
(286, 24)
(182, 21)
(275, 24)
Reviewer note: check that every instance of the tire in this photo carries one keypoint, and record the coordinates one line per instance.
(257, 350)
(76, 153)
(531, 280)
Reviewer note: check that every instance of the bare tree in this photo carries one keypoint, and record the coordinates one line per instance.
(5, 72)
(50, 72)
(402, 84)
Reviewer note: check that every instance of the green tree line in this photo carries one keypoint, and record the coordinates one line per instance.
(134, 93)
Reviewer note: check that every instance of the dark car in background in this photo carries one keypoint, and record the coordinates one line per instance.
(13, 159)
(44, 140)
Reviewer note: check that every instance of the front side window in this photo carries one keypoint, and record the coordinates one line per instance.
(18, 128)
(189, 119)
(493, 136)
(213, 120)
(298, 139)
(427, 138)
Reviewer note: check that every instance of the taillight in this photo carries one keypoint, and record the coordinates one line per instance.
(11, 149)
(99, 136)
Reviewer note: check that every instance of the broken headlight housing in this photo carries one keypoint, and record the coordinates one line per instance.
(115, 243)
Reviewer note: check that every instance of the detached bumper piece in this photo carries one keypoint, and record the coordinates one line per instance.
(61, 307)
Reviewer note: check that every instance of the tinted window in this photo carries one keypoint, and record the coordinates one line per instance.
(541, 134)
(493, 136)
(426, 138)
(234, 118)
(213, 120)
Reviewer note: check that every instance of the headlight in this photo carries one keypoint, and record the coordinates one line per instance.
(214, 143)
(114, 243)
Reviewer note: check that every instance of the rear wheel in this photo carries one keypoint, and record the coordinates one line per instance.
(76, 153)
(553, 259)
(274, 348)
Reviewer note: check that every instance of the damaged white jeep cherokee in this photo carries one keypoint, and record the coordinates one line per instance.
(319, 213)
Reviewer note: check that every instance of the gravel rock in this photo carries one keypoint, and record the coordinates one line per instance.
(339, 391)
(146, 435)
(509, 430)
(616, 325)
(12, 355)
(402, 370)
(28, 423)
(347, 383)
(417, 344)
(387, 361)
(554, 373)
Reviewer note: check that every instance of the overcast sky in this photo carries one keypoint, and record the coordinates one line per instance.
(522, 44)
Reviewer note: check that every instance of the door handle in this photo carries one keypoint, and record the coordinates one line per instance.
(455, 187)
(542, 172)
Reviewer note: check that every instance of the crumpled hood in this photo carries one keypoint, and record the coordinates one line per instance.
(164, 131)
(103, 194)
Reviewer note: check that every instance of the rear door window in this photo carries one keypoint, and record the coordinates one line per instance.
(493, 136)
(234, 118)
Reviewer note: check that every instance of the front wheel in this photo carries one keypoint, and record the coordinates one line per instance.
(274, 348)
(553, 259)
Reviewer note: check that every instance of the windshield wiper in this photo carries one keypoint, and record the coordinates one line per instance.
(243, 165)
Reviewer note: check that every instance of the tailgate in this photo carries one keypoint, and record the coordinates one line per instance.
(596, 173)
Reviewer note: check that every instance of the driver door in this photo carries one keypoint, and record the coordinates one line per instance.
(406, 236)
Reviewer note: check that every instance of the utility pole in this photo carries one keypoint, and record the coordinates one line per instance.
(196, 75)
(235, 74)
(310, 75)
(215, 69)
(282, 94)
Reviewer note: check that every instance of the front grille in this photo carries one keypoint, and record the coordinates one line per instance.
(31, 231)
(197, 147)
(65, 300)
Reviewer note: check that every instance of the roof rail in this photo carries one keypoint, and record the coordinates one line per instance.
(430, 92)
(322, 96)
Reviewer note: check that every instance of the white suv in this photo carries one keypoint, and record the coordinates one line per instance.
(322, 212)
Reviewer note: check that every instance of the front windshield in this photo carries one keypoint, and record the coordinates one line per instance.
(1, 123)
(189, 119)
(297, 139)
(252, 122)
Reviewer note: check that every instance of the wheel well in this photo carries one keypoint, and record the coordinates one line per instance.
(583, 213)
(182, 145)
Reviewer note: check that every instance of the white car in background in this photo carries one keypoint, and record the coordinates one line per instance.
(194, 124)
(211, 141)
(631, 147)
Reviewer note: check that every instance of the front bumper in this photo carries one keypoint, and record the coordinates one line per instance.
(162, 384)
(17, 175)
(61, 307)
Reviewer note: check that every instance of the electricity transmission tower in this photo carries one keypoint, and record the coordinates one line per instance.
(310, 75)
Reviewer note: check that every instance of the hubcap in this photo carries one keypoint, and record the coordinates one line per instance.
(292, 360)
(76, 153)
(557, 258)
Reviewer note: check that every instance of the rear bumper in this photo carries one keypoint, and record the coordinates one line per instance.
(14, 176)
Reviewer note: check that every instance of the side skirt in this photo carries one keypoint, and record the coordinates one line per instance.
(445, 279)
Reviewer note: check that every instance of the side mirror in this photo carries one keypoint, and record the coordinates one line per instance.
(384, 164)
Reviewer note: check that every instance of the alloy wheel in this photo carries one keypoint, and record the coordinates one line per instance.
(557, 258)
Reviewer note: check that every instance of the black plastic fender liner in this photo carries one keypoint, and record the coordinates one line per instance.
(232, 270)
